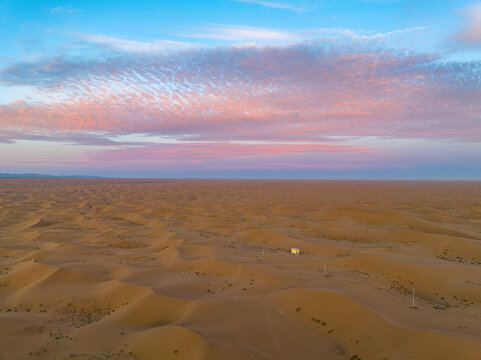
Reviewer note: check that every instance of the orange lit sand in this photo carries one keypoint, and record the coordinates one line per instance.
(202, 269)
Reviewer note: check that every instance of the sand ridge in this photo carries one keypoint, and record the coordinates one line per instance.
(201, 269)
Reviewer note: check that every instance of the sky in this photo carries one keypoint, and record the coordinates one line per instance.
(352, 89)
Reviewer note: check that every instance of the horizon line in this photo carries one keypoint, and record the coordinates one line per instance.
(97, 177)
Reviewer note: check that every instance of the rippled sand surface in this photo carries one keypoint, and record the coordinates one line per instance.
(201, 269)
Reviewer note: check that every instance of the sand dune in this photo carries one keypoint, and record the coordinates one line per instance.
(184, 269)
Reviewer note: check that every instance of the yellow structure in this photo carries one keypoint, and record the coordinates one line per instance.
(295, 251)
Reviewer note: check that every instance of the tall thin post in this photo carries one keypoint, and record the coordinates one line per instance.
(413, 297)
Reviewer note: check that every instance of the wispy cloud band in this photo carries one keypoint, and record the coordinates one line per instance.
(283, 92)
(274, 5)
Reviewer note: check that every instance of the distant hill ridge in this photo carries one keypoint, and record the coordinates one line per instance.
(32, 175)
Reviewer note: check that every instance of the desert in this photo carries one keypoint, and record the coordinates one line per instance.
(202, 269)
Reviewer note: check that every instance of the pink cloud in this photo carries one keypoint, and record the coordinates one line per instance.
(301, 92)
(470, 33)
(234, 156)
(212, 150)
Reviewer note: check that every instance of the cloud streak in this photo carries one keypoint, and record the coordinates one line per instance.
(245, 34)
(274, 5)
(236, 33)
(68, 9)
(235, 156)
(116, 43)
(231, 151)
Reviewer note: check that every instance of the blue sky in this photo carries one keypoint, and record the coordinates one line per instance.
(48, 22)
(251, 88)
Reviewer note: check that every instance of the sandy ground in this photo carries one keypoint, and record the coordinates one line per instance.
(190, 269)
